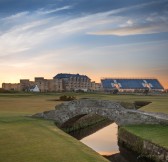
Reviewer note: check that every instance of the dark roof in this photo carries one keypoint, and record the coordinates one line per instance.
(131, 83)
(65, 75)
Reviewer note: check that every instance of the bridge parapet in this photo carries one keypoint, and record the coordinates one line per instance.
(109, 109)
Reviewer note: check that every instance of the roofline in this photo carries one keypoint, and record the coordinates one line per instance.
(102, 78)
(73, 75)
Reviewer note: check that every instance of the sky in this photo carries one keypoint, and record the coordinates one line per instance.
(98, 38)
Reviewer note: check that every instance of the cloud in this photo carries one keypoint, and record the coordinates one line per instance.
(134, 30)
(51, 39)
(148, 23)
(15, 16)
(29, 30)
(43, 11)
(133, 7)
(22, 37)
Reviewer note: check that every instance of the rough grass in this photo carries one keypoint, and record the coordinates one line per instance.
(25, 139)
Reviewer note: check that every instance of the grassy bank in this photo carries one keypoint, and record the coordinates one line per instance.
(154, 149)
(26, 139)
(154, 133)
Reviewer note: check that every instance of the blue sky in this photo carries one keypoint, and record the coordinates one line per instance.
(99, 38)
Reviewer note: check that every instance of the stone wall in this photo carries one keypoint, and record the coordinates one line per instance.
(144, 148)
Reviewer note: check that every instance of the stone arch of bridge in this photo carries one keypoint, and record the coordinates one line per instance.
(69, 122)
(71, 117)
(112, 110)
(74, 110)
(72, 120)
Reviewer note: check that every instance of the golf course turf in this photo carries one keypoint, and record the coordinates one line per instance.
(27, 139)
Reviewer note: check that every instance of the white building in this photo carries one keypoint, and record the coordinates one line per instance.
(35, 89)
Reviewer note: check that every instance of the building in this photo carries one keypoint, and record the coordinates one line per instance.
(49, 85)
(11, 87)
(55, 85)
(34, 89)
(42, 84)
(96, 87)
(131, 85)
(39, 84)
(26, 84)
(74, 82)
(61, 82)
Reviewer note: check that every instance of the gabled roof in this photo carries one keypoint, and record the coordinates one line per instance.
(34, 88)
(65, 75)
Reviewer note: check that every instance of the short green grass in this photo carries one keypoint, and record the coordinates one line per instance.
(157, 134)
(159, 103)
(26, 139)
(34, 140)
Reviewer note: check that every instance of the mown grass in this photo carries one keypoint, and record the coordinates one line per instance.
(26, 139)
(159, 103)
(26, 104)
(33, 140)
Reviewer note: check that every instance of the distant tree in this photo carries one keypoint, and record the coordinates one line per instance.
(3, 90)
(115, 91)
(146, 91)
(79, 91)
(7, 91)
(166, 90)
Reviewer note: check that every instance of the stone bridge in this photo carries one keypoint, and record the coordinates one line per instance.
(73, 110)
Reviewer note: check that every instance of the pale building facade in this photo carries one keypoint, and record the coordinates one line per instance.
(74, 82)
(44, 85)
(11, 87)
(49, 85)
(26, 84)
(55, 85)
(61, 82)
(95, 87)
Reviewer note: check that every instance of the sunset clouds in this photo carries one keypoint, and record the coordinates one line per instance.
(84, 37)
